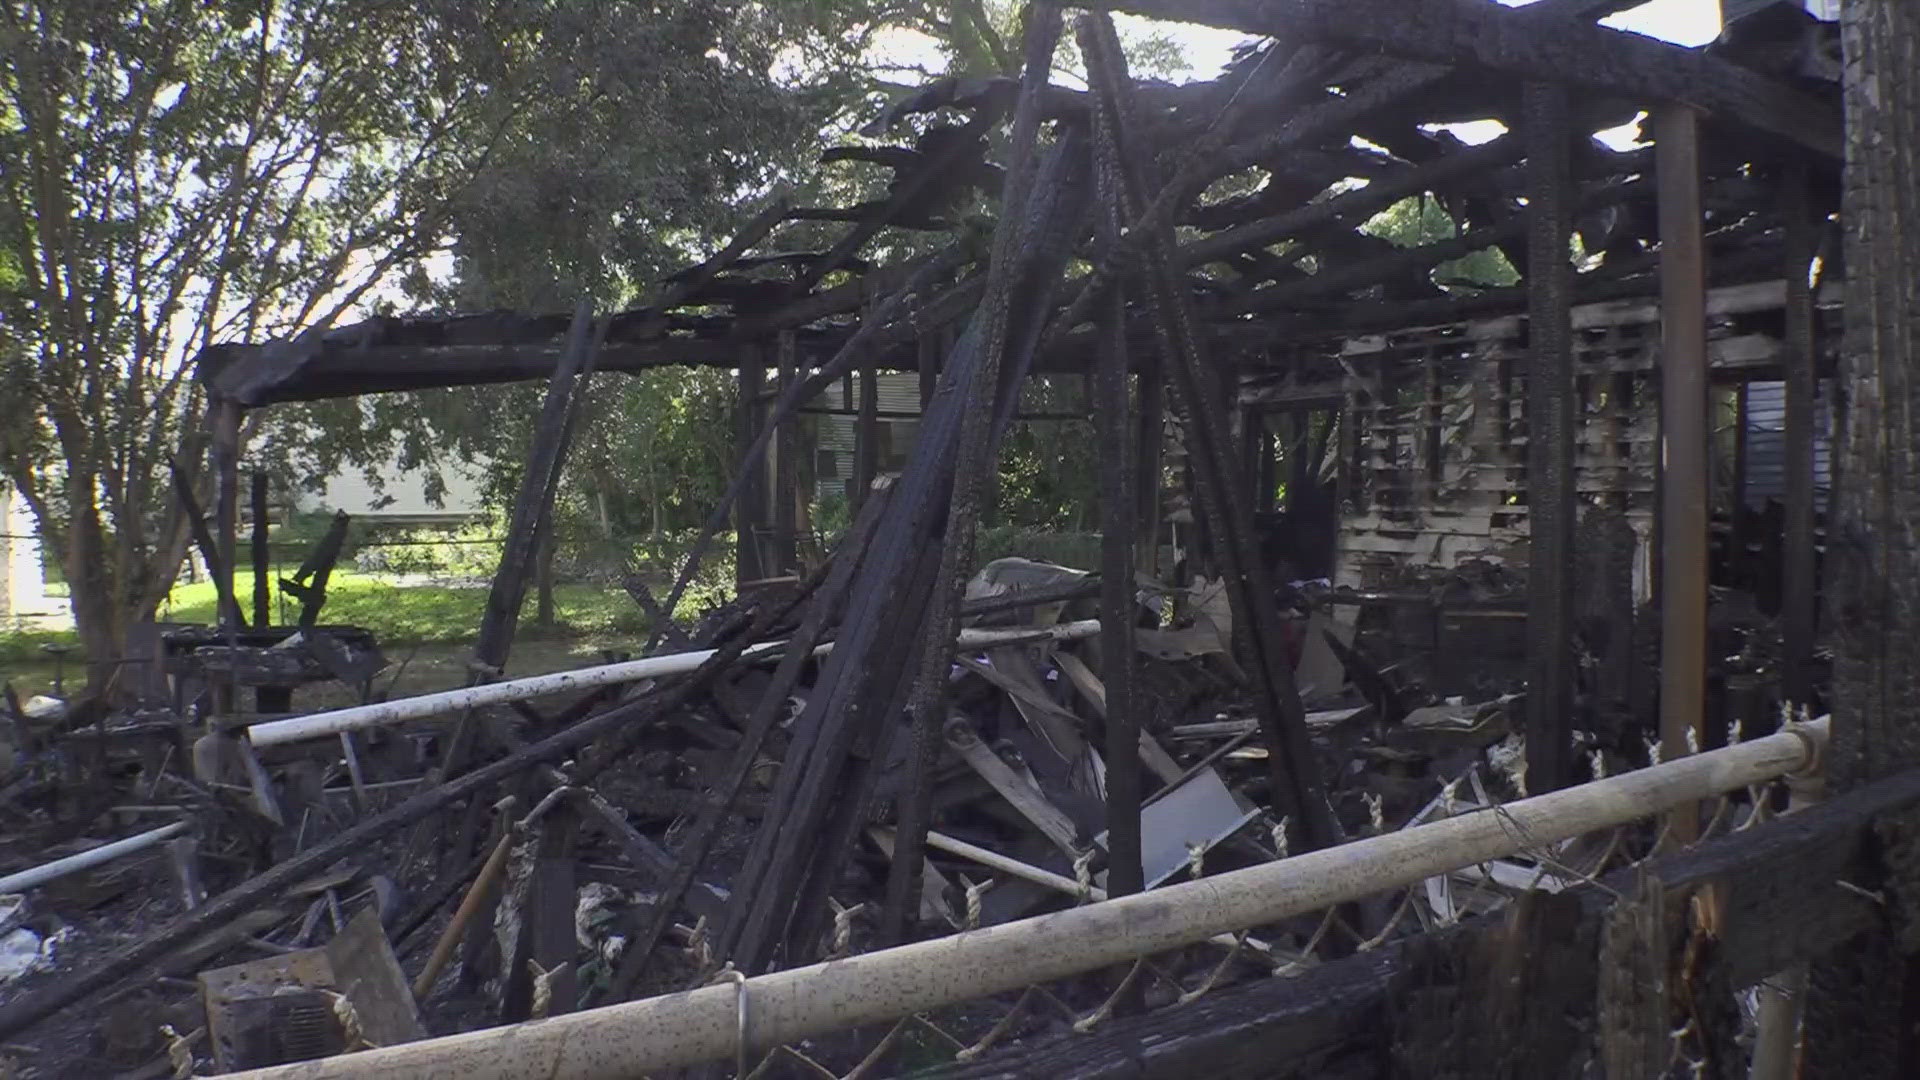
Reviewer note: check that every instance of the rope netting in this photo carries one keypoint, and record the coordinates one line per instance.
(962, 1031)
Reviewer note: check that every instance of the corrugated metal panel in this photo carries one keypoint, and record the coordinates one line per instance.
(899, 392)
(1767, 443)
(834, 432)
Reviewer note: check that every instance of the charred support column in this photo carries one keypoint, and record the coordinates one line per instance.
(866, 438)
(1119, 480)
(266, 699)
(226, 507)
(786, 469)
(1266, 467)
(749, 510)
(1297, 789)
(1683, 435)
(1148, 446)
(533, 503)
(1551, 504)
(1797, 585)
(262, 557)
(930, 351)
(526, 528)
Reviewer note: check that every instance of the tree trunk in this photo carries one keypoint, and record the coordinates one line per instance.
(543, 581)
(1861, 1013)
(92, 594)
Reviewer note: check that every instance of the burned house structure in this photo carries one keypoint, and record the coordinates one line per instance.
(1602, 484)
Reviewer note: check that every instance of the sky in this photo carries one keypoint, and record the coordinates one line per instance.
(1684, 22)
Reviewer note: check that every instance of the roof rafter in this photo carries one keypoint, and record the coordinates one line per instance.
(1543, 45)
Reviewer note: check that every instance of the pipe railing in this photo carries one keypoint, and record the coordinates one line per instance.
(88, 859)
(756, 1015)
(327, 724)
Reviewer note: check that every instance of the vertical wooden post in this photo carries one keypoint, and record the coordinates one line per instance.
(1266, 466)
(929, 354)
(533, 503)
(749, 511)
(528, 525)
(262, 556)
(1683, 436)
(1739, 531)
(1126, 872)
(1798, 577)
(786, 467)
(1551, 503)
(1149, 445)
(866, 439)
(226, 505)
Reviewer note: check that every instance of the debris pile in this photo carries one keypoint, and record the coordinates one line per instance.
(893, 742)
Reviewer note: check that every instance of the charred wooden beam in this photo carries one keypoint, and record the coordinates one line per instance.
(1119, 505)
(309, 582)
(1740, 256)
(720, 800)
(940, 168)
(1150, 442)
(344, 371)
(532, 505)
(1352, 208)
(226, 507)
(1297, 789)
(1335, 114)
(927, 698)
(1798, 595)
(786, 464)
(790, 399)
(850, 701)
(851, 296)
(203, 538)
(1415, 260)
(750, 507)
(690, 281)
(262, 555)
(1552, 502)
(1550, 48)
(609, 735)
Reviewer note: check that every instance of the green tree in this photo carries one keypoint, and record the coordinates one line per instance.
(1421, 220)
(175, 173)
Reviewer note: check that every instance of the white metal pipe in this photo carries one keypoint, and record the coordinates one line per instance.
(996, 861)
(1059, 883)
(90, 858)
(328, 724)
(650, 1036)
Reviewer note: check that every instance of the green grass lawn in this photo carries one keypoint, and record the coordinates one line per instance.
(439, 621)
(428, 614)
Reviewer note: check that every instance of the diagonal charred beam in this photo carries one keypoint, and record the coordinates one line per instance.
(1416, 258)
(937, 170)
(767, 712)
(820, 789)
(1350, 208)
(1549, 47)
(690, 281)
(1297, 789)
(1336, 114)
